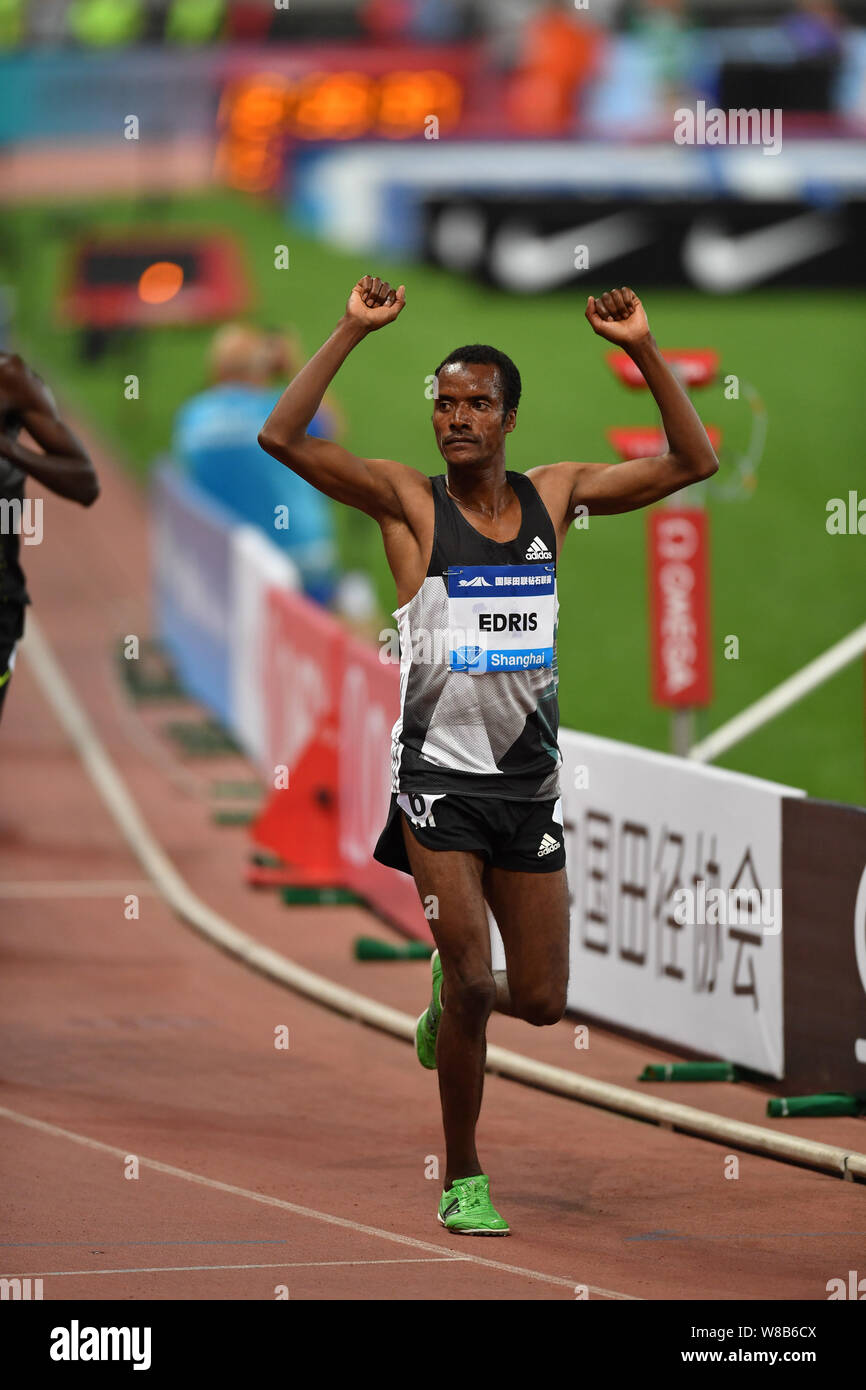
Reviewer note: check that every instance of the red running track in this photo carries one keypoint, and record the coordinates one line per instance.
(301, 1170)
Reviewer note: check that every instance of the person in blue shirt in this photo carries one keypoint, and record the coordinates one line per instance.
(215, 441)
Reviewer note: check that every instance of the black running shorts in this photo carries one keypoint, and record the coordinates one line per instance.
(11, 630)
(525, 836)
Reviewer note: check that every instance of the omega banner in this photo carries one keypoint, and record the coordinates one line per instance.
(679, 606)
(700, 971)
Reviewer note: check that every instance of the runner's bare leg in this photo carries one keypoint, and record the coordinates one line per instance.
(454, 879)
(531, 912)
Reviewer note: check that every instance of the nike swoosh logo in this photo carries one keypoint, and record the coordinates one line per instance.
(523, 260)
(721, 263)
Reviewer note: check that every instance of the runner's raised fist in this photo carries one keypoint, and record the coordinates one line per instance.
(618, 316)
(374, 303)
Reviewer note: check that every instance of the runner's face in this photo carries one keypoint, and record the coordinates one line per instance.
(467, 414)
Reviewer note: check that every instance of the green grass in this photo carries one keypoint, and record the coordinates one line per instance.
(781, 584)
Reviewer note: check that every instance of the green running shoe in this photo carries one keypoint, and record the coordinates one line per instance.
(428, 1024)
(467, 1209)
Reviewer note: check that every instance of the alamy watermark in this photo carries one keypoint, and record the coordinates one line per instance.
(432, 647)
(77, 1343)
(22, 517)
(20, 1290)
(709, 907)
(737, 126)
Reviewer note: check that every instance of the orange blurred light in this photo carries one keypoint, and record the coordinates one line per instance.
(160, 282)
(253, 166)
(408, 99)
(334, 106)
(257, 107)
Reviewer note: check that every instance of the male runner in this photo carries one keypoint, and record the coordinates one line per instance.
(475, 812)
(64, 466)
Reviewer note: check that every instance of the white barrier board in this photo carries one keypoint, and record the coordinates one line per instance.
(638, 827)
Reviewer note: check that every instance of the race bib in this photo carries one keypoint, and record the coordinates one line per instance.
(501, 617)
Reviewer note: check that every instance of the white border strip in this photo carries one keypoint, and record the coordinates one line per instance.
(781, 698)
(177, 893)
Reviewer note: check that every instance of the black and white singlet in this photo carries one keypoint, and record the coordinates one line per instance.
(479, 713)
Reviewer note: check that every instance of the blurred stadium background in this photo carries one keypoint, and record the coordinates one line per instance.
(462, 146)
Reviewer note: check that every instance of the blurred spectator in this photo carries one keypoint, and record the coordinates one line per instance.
(11, 23)
(665, 31)
(503, 23)
(386, 21)
(803, 75)
(437, 21)
(559, 53)
(421, 21)
(215, 441)
(106, 23)
(815, 29)
(249, 21)
(194, 21)
(47, 22)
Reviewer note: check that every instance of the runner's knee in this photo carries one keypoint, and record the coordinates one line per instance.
(542, 1007)
(469, 990)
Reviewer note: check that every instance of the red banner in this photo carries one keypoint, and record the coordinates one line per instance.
(679, 606)
(330, 705)
(303, 660)
(369, 704)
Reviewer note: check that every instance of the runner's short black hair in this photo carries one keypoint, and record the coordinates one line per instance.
(482, 355)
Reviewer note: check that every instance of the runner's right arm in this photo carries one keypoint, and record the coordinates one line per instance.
(64, 464)
(373, 486)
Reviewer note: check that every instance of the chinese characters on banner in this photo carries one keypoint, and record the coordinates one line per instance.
(640, 827)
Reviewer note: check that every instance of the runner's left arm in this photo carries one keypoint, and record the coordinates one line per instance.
(64, 466)
(608, 488)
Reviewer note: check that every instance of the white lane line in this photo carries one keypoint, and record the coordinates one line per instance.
(781, 697)
(280, 1264)
(73, 718)
(310, 1213)
(77, 888)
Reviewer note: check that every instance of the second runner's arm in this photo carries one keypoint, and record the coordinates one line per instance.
(64, 465)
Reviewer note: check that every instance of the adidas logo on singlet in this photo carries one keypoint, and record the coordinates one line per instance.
(548, 845)
(538, 550)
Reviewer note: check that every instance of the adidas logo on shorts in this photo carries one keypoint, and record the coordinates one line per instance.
(538, 550)
(548, 845)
